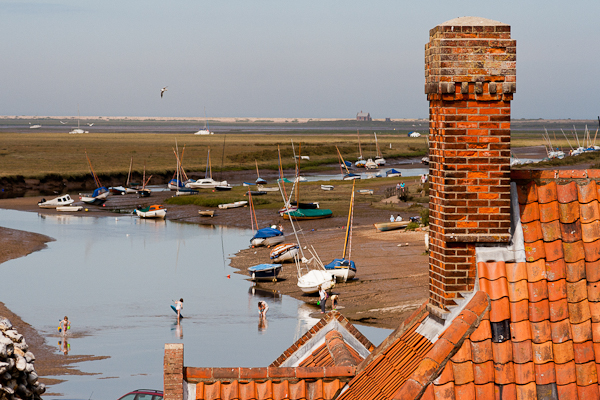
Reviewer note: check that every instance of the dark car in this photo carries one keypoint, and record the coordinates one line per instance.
(143, 394)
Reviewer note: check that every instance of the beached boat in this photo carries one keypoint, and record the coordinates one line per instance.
(364, 191)
(233, 205)
(379, 160)
(267, 237)
(206, 213)
(284, 252)
(390, 226)
(70, 208)
(153, 211)
(344, 268)
(186, 192)
(305, 206)
(99, 195)
(327, 187)
(118, 190)
(304, 214)
(247, 184)
(265, 272)
(392, 173)
(59, 201)
(370, 164)
(208, 182)
(77, 130)
(351, 176)
(267, 189)
(309, 282)
(223, 188)
(144, 191)
(360, 163)
(256, 192)
(425, 160)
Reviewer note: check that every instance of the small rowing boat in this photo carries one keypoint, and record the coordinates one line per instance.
(233, 205)
(153, 211)
(206, 213)
(364, 191)
(284, 252)
(326, 187)
(265, 272)
(390, 226)
(70, 208)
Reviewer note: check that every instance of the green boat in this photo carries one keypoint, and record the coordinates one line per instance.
(308, 213)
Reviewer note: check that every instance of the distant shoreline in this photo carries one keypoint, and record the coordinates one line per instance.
(278, 120)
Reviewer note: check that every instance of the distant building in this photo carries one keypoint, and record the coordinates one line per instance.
(388, 120)
(361, 116)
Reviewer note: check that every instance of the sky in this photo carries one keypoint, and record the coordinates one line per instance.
(277, 58)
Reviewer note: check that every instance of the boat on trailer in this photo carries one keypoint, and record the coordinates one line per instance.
(64, 200)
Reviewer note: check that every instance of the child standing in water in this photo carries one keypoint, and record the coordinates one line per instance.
(179, 307)
(263, 307)
(65, 325)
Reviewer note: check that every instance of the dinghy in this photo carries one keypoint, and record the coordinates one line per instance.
(344, 268)
(99, 195)
(390, 226)
(70, 208)
(208, 182)
(284, 252)
(233, 205)
(392, 173)
(267, 237)
(63, 200)
(206, 213)
(153, 211)
(327, 187)
(364, 191)
(305, 214)
(265, 272)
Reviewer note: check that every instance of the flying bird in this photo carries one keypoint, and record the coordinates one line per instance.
(92, 124)
(62, 122)
(162, 91)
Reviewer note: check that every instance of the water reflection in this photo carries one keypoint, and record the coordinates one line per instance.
(123, 273)
(64, 346)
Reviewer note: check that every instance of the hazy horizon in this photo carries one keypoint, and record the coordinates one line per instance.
(274, 59)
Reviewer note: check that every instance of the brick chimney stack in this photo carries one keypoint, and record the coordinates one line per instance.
(470, 78)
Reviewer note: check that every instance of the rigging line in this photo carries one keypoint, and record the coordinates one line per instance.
(223, 247)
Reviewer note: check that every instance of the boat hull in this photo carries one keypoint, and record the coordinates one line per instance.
(303, 214)
(273, 240)
(390, 226)
(233, 205)
(59, 201)
(155, 211)
(284, 252)
(69, 208)
(265, 272)
(309, 283)
(342, 269)
(206, 213)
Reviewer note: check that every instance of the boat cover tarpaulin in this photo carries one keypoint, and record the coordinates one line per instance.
(266, 233)
(392, 171)
(341, 263)
(99, 191)
(263, 267)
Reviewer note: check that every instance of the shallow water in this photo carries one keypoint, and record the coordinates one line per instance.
(116, 277)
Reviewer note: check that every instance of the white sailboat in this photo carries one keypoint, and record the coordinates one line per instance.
(78, 129)
(379, 160)
(208, 182)
(311, 273)
(204, 131)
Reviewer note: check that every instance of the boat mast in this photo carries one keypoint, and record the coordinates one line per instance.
(348, 240)
(360, 157)
(129, 174)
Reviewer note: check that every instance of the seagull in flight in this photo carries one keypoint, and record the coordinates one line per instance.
(92, 124)
(62, 122)
(162, 91)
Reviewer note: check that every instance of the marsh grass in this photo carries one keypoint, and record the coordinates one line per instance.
(36, 155)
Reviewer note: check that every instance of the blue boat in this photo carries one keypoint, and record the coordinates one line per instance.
(261, 181)
(175, 184)
(392, 172)
(264, 272)
(267, 237)
(351, 175)
(348, 164)
(342, 268)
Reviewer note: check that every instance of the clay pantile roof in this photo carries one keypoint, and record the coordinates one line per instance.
(533, 329)
(309, 350)
(334, 351)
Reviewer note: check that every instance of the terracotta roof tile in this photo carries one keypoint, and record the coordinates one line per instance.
(485, 391)
(483, 332)
(558, 310)
(575, 271)
(502, 352)
(516, 271)
(595, 311)
(565, 373)
(504, 373)
(527, 193)
(532, 231)
(561, 331)
(568, 392)
(579, 312)
(518, 291)
(522, 352)
(519, 310)
(590, 232)
(554, 251)
(530, 212)
(445, 376)
(443, 392)
(542, 352)
(581, 332)
(586, 373)
(500, 310)
(555, 270)
(587, 193)
(584, 352)
(539, 311)
(568, 213)
(588, 392)
(538, 290)
(547, 193)
(535, 251)
(527, 392)
(551, 231)
(576, 291)
(524, 373)
(567, 193)
(571, 232)
(589, 212)
(557, 290)
(493, 289)
(483, 372)
(592, 251)
(545, 373)
(548, 212)
(563, 352)
(482, 351)
(466, 391)
(541, 331)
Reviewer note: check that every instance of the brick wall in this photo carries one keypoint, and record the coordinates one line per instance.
(470, 79)
(173, 371)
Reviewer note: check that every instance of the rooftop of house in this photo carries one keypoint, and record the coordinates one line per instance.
(531, 330)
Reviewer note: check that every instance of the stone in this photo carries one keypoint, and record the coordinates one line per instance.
(5, 324)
